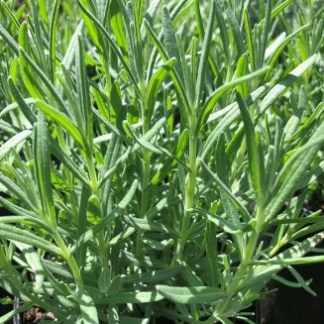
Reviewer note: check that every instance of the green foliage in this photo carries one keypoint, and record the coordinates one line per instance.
(156, 157)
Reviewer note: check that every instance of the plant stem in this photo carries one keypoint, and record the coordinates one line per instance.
(278, 246)
(234, 286)
(190, 186)
(146, 155)
(69, 259)
(146, 162)
(93, 176)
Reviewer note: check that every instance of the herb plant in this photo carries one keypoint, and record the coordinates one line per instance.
(156, 156)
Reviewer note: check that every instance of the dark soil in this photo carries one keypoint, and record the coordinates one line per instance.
(35, 315)
(295, 305)
(5, 308)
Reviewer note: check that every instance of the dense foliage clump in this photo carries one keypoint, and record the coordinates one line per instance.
(156, 156)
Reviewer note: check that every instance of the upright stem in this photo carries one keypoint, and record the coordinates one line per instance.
(145, 153)
(69, 259)
(145, 182)
(234, 285)
(251, 246)
(190, 186)
(146, 161)
(93, 175)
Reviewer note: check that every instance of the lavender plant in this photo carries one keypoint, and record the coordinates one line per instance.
(156, 156)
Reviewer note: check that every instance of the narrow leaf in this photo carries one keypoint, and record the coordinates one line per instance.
(256, 168)
(191, 295)
(13, 142)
